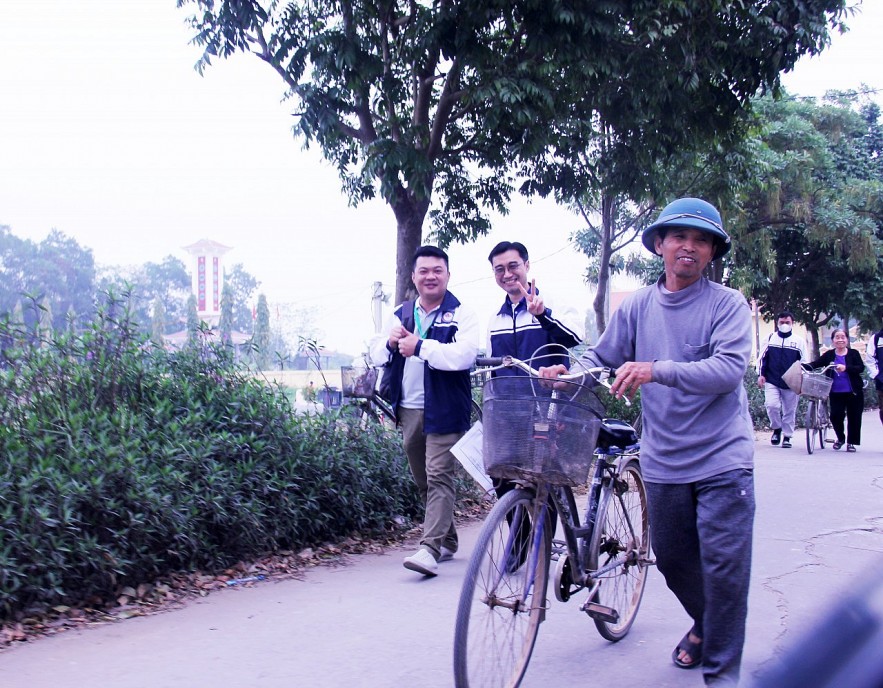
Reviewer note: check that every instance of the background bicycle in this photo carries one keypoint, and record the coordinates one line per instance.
(359, 386)
(547, 443)
(816, 385)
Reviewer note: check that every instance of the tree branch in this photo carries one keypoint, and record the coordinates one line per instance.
(395, 131)
(446, 102)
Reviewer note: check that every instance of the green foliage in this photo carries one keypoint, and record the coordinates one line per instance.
(166, 282)
(122, 463)
(242, 286)
(57, 272)
(261, 340)
(192, 320)
(158, 323)
(756, 407)
(451, 103)
(808, 231)
(617, 408)
(225, 323)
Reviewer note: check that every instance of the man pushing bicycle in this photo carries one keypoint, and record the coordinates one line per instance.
(686, 342)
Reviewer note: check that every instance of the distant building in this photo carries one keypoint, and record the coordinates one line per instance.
(208, 278)
(207, 272)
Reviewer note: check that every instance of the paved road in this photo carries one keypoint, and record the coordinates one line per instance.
(374, 624)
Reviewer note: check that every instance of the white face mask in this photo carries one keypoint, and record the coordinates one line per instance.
(785, 328)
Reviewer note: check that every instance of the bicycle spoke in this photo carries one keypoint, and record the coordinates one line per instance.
(621, 554)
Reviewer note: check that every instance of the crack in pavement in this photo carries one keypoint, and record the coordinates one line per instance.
(810, 545)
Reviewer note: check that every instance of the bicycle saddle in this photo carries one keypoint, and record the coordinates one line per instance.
(616, 433)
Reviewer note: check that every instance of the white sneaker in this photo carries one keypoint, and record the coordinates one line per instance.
(446, 554)
(422, 561)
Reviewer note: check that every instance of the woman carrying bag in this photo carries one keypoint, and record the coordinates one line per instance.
(847, 399)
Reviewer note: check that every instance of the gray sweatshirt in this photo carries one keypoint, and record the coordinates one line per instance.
(696, 420)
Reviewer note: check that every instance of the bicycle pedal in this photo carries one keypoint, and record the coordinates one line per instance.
(601, 612)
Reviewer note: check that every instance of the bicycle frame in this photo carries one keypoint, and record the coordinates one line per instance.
(504, 597)
(604, 477)
(365, 400)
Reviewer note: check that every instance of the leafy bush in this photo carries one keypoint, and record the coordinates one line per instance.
(756, 407)
(617, 408)
(120, 462)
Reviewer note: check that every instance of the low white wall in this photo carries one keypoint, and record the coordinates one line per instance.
(299, 379)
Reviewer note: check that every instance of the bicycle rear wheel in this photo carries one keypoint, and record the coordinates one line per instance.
(812, 424)
(503, 598)
(621, 535)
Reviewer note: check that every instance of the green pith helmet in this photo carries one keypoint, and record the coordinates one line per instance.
(689, 212)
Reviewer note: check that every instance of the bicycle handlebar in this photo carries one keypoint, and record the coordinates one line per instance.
(601, 374)
(825, 369)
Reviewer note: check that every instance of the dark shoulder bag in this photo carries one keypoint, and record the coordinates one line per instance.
(396, 363)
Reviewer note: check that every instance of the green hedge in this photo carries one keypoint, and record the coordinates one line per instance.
(120, 463)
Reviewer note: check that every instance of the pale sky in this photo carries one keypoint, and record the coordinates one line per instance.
(109, 135)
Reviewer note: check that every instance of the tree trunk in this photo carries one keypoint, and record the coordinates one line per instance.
(409, 215)
(816, 347)
(715, 271)
(600, 301)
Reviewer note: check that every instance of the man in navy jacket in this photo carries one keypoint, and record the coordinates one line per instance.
(782, 349)
(526, 323)
(431, 395)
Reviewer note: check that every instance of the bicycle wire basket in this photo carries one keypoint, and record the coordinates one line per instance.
(532, 434)
(816, 385)
(358, 383)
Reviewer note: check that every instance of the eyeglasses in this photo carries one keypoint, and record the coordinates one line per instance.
(501, 270)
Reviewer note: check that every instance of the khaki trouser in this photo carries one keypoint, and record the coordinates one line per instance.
(433, 467)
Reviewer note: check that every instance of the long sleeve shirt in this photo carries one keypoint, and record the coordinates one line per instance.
(696, 420)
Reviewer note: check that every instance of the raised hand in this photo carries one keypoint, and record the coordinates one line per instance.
(535, 305)
(407, 343)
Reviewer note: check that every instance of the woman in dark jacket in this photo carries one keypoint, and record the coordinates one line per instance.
(847, 398)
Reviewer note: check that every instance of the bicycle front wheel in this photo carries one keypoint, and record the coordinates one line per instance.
(621, 540)
(824, 423)
(503, 598)
(812, 424)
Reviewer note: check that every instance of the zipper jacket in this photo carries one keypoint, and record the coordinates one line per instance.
(516, 332)
(778, 355)
(448, 353)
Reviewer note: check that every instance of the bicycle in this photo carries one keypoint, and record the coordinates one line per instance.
(547, 443)
(359, 386)
(361, 397)
(816, 386)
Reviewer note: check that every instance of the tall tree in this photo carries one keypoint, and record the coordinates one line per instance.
(225, 323)
(807, 233)
(57, 271)
(453, 102)
(243, 286)
(193, 322)
(615, 208)
(603, 240)
(167, 281)
(158, 323)
(263, 356)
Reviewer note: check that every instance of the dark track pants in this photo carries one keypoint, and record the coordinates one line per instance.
(701, 535)
(847, 406)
